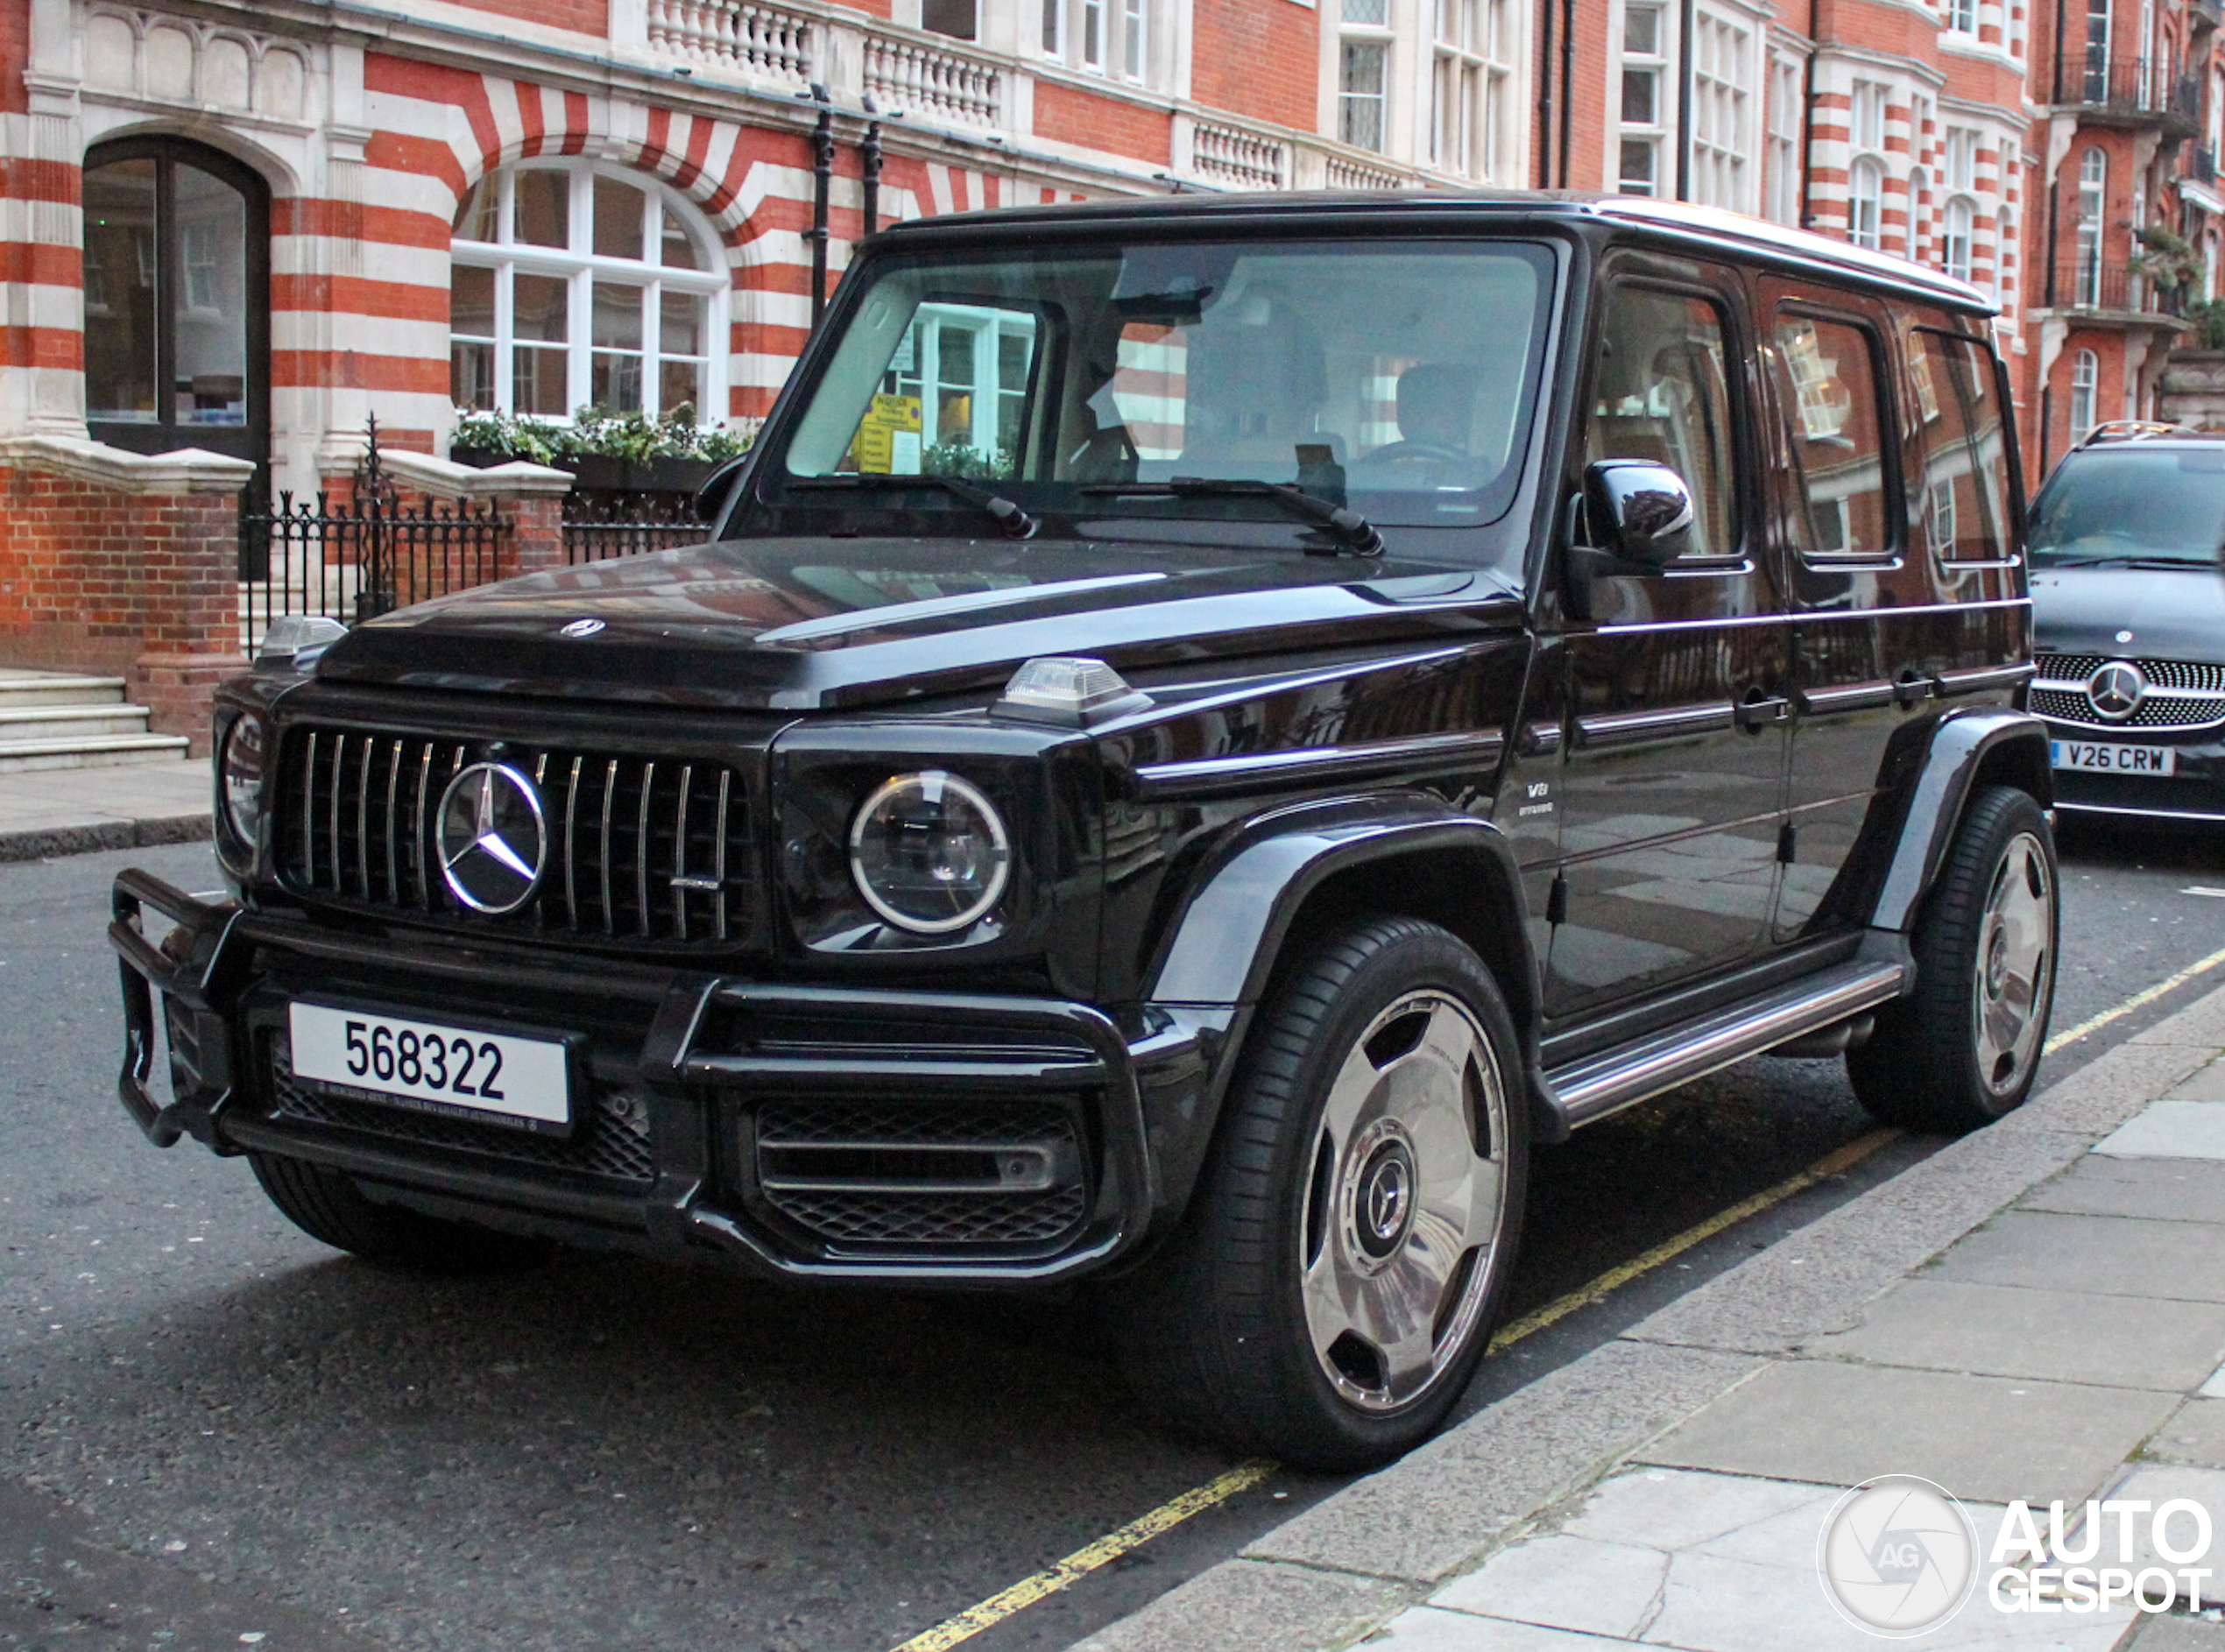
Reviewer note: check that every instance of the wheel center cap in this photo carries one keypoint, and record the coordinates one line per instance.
(1386, 1202)
(1997, 964)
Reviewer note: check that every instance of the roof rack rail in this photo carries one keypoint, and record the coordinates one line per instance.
(2133, 430)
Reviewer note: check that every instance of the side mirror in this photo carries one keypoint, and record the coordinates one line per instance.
(711, 498)
(1641, 511)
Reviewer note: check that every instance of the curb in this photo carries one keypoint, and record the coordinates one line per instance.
(44, 843)
(1332, 1575)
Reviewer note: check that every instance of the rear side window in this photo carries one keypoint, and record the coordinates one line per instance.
(1964, 500)
(1828, 385)
(1663, 393)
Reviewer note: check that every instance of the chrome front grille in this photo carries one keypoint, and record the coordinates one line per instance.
(639, 847)
(2181, 693)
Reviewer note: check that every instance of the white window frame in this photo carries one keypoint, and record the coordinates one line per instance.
(1365, 24)
(580, 266)
(1866, 115)
(1116, 38)
(1958, 244)
(1660, 63)
(1865, 208)
(1473, 47)
(1918, 239)
(1961, 17)
(1722, 117)
(2085, 379)
(1783, 180)
(2093, 196)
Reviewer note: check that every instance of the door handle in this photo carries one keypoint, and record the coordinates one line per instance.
(1757, 712)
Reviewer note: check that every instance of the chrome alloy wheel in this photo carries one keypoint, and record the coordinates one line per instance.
(2015, 963)
(1406, 1202)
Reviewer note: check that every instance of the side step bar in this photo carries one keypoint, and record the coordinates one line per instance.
(1590, 1089)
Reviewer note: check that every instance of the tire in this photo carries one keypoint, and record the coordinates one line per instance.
(331, 1209)
(1963, 1050)
(1266, 1323)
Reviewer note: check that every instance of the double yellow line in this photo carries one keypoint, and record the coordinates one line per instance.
(1088, 1559)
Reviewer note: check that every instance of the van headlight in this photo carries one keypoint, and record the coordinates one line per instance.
(239, 778)
(929, 852)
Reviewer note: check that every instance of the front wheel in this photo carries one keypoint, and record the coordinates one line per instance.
(328, 1206)
(1963, 1048)
(1336, 1279)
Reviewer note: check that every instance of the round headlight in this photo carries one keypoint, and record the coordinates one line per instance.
(239, 778)
(930, 852)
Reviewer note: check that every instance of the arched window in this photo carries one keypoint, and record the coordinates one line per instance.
(1961, 230)
(577, 285)
(1865, 187)
(2085, 371)
(2004, 257)
(177, 298)
(1919, 214)
(2092, 183)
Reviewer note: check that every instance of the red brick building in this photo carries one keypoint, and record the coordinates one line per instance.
(235, 231)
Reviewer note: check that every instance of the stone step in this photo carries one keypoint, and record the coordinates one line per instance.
(17, 756)
(49, 723)
(51, 688)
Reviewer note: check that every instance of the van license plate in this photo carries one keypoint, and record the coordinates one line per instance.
(2113, 759)
(430, 1067)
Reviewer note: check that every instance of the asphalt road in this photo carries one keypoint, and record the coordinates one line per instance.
(214, 1432)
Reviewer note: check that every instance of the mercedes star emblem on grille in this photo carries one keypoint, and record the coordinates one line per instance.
(2117, 690)
(493, 838)
(579, 628)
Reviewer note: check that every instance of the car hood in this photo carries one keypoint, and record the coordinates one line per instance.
(2170, 615)
(803, 623)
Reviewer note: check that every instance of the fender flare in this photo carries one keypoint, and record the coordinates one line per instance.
(1961, 746)
(1221, 949)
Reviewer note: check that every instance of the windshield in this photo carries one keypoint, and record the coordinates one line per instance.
(1393, 377)
(2119, 506)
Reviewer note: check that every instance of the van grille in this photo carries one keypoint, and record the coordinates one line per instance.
(639, 847)
(2182, 694)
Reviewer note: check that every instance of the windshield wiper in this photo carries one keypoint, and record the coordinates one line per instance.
(1352, 530)
(1016, 523)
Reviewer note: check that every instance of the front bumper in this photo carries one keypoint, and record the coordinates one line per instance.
(690, 1077)
(2193, 792)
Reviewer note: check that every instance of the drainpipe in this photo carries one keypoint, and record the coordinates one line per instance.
(1684, 101)
(1568, 82)
(1808, 121)
(822, 153)
(1546, 105)
(869, 160)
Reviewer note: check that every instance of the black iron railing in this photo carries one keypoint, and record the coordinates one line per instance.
(2094, 287)
(2137, 85)
(353, 558)
(603, 523)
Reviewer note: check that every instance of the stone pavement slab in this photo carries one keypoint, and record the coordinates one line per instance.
(2207, 1084)
(2168, 1190)
(2196, 1436)
(1984, 1439)
(2170, 1130)
(2176, 1634)
(1434, 1512)
(122, 806)
(2121, 1341)
(2118, 1255)
(2158, 1483)
(1425, 1630)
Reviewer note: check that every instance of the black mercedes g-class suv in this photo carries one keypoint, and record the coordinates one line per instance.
(1204, 728)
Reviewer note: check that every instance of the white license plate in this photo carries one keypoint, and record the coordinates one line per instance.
(429, 1067)
(2113, 759)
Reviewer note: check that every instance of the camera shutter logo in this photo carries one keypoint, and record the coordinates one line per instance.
(1897, 1557)
(493, 838)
